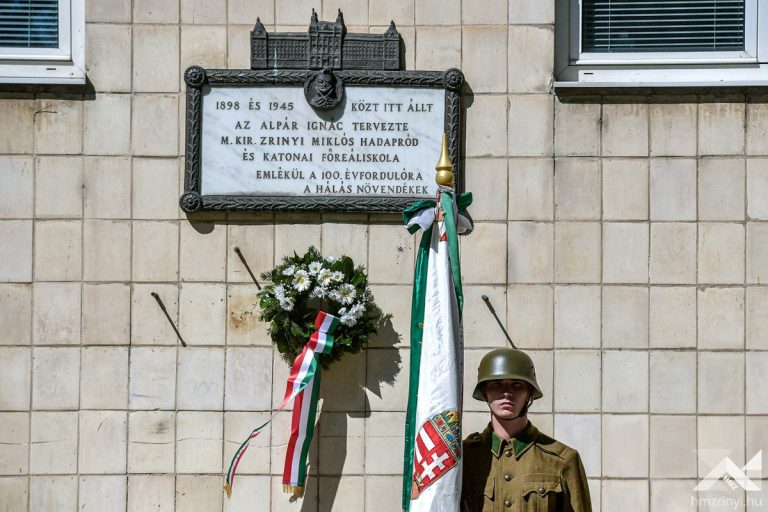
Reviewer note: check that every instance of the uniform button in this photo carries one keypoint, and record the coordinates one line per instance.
(541, 490)
(507, 503)
(508, 453)
(507, 477)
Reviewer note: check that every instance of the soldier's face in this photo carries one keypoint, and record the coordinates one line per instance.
(506, 397)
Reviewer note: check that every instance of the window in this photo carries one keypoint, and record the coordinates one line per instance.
(661, 42)
(41, 41)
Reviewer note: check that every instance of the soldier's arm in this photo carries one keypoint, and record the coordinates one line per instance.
(576, 486)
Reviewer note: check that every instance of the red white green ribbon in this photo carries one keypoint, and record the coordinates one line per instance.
(304, 386)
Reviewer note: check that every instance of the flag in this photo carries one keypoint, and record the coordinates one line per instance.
(432, 455)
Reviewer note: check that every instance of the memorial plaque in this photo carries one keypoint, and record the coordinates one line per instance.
(322, 138)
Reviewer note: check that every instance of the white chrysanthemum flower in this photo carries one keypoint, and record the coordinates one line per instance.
(287, 304)
(331, 259)
(324, 277)
(357, 310)
(318, 292)
(280, 292)
(337, 276)
(301, 280)
(289, 271)
(347, 293)
(315, 267)
(348, 320)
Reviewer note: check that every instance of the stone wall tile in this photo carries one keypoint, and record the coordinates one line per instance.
(14, 493)
(55, 378)
(583, 432)
(106, 314)
(756, 371)
(757, 128)
(625, 317)
(237, 427)
(245, 11)
(480, 12)
(625, 381)
(15, 378)
(116, 11)
(577, 252)
(53, 493)
(757, 318)
(151, 493)
(203, 45)
(625, 189)
(721, 318)
(14, 443)
(239, 46)
(203, 249)
(530, 12)
(673, 317)
(103, 442)
(720, 433)
(721, 189)
(488, 239)
(673, 189)
(53, 443)
(256, 243)
(152, 378)
(625, 129)
(530, 125)
(198, 493)
(625, 252)
(155, 251)
(16, 194)
(205, 12)
(15, 313)
(437, 48)
(577, 382)
(673, 382)
(155, 188)
(530, 252)
(382, 440)
(673, 253)
(484, 113)
(577, 128)
(721, 253)
(108, 55)
(58, 250)
(381, 12)
(295, 13)
(104, 378)
(107, 125)
(59, 127)
(615, 492)
(151, 445)
(385, 387)
(155, 11)
(531, 185)
(107, 250)
(341, 444)
(154, 125)
(59, 187)
(530, 317)
(577, 316)
(673, 127)
(155, 58)
(757, 189)
(717, 395)
(436, 12)
(248, 379)
(478, 323)
(107, 188)
(395, 329)
(201, 379)
(15, 250)
(577, 189)
(16, 135)
(383, 493)
(344, 387)
(531, 58)
(297, 238)
(633, 463)
(149, 325)
(103, 492)
(390, 254)
(198, 441)
(348, 239)
(484, 48)
(56, 317)
(757, 252)
(243, 324)
(202, 313)
(543, 361)
(721, 128)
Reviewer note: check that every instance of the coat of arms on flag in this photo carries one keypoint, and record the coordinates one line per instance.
(437, 449)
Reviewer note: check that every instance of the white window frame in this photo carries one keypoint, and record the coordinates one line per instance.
(574, 68)
(62, 65)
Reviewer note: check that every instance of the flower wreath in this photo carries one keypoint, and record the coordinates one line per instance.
(303, 285)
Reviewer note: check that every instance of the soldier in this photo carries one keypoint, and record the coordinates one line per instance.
(511, 466)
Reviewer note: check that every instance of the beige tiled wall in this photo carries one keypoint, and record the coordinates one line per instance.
(623, 239)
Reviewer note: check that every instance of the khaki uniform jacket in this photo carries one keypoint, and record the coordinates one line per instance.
(530, 473)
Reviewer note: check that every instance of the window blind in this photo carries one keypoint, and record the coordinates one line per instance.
(662, 25)
(29, 23)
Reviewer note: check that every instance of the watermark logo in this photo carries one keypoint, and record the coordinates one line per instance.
(731, 474)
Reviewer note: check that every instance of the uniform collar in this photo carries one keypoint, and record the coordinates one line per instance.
(520, 443)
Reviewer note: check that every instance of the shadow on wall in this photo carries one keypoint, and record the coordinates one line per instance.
(344, 399)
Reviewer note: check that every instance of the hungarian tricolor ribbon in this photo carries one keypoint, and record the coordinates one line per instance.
(304, 386)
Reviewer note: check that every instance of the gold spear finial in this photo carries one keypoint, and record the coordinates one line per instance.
(444, 167)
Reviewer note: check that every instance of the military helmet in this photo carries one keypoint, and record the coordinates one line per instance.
(506, 363)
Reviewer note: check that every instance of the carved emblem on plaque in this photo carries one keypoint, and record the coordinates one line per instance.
(323, 90)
